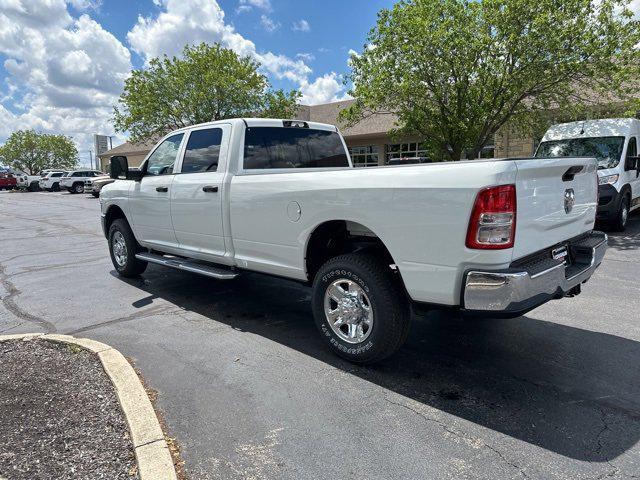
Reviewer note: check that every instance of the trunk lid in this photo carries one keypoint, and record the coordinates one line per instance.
(557, 200)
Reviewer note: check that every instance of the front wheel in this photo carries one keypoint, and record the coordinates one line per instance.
(620, 223)
(360, 308)
(123, 248)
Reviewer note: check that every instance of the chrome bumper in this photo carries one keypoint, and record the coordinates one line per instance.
(526, 287)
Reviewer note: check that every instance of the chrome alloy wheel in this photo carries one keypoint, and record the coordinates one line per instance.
(119, 247)
(348, 311)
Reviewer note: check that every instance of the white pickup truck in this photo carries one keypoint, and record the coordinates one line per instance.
(282, 198)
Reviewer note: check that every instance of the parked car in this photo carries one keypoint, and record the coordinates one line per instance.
(614, 142)
(51, 181)
(282, 197)
(8, 180)
(94, 186)
(74, 181)
(28, 182)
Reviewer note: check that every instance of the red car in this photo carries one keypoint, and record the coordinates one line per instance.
(8, 180)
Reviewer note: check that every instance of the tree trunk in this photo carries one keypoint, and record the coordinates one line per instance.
(455, 152)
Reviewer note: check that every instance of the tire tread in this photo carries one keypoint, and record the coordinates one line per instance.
(390, 294)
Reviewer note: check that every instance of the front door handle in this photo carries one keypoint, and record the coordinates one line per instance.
(209, 188)
(162, 189)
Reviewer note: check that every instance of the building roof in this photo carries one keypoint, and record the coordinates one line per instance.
(128, 148)
(372, 126)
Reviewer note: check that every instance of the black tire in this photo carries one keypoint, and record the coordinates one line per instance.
(34, 187)
(388, 302)
(620, 223)
(132, 267)
(55, 187)
(95, 194)
(77, 187)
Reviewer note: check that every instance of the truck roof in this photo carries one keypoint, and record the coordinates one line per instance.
(262, 122)
(609, 127)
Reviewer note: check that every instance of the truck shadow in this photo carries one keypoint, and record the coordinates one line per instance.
(568, 390)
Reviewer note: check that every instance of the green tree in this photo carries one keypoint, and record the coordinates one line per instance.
(31, 152)
(455, 71)
(207, 83)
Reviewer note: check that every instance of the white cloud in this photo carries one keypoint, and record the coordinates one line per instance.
(305, 56)
(247, 5)
(301, 26)
(65, 74)
(323, 89)
(85, 4)
(269, 24)
(183, 22)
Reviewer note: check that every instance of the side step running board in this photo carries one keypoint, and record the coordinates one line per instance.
(188, 265)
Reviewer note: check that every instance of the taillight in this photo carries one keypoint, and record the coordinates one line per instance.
(493, 220)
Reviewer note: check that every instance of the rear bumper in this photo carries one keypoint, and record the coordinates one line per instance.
(533, 282)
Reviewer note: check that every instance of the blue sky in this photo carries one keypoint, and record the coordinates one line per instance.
(63, 62)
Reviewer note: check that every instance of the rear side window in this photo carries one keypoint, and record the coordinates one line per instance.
(203, 151)
(281, 147)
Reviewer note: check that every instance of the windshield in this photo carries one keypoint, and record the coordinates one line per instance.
(607, 150)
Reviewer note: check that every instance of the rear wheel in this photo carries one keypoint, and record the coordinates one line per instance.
(360, 308)
(123, 248)
(56, 187)
(620, 223)
(34, 187)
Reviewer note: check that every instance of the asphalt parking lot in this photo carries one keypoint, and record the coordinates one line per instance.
(250, 392)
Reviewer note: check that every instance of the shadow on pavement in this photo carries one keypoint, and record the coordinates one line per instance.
(630, 238)
(572, 391)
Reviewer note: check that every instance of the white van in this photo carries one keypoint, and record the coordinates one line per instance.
(614, 142)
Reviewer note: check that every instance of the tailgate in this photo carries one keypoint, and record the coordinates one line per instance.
(557, 200)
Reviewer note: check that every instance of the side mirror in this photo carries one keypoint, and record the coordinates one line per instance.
(135, 174)
(119, 167)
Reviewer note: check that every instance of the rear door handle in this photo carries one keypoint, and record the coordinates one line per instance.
(209, 188)
(162, 189)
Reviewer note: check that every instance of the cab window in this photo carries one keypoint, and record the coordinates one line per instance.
(203, 151)
(162, 159)
(282, 147)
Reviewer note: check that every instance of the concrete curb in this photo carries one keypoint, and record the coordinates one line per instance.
(152, 453)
